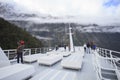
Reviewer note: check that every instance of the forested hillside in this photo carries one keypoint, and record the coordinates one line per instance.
(10, 34)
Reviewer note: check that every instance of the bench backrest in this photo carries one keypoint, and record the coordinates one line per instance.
(4, 61)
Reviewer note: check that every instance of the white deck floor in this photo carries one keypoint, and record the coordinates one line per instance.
(86, 73)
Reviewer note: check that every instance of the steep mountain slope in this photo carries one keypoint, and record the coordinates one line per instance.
(19, 16)
(11, 34)
(55, 29)
(59, 34)
(105, 40)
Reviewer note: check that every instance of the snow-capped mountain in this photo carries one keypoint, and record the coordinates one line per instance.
(28, 20)
(99, 28)
(13, 12)
(8, 11)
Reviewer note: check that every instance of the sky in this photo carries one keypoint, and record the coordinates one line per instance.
(73, 7)
(106, 9)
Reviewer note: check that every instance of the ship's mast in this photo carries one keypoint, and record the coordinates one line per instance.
(71, 39)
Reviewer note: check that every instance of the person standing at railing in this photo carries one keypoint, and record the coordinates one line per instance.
(88, 49)
(85, 47)
(56, 47)
(20, 48)
(65, 47)
(93, 46)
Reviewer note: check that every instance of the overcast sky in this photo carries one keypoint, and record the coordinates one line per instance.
(73, 7)
(88, 8)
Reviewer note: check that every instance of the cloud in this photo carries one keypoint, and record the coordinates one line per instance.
(70, 7)
(61, 7)
(103, 9)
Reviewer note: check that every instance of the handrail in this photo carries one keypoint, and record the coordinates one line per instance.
(109, 50)
(11, 53)
(112, 51)
(107, 56)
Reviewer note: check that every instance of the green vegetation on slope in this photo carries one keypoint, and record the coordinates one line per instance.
(10, 34)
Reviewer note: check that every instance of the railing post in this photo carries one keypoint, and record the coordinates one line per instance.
(40, 50)
(35, 50)
(110, 54)
(45, 50)
(8, 54)
(105, 53)
(29, 51)
(111, 57)
(113, 60)
(100, 51)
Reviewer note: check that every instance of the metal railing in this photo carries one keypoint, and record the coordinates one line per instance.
(12, 53)
(103, 57)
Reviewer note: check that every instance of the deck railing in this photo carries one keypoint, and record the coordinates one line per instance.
(103, 57)
(12, 53)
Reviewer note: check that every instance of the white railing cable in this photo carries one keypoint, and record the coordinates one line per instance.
(9, 53)
(108, 57)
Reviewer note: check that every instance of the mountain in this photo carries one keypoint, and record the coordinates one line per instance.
(81, 27)
(25, 19)
(58, 34)
(10, 34)
(10, 11)
(53, 29)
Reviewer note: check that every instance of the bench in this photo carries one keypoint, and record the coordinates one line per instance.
(52, 74)
(13, 72)
(50, 59)
(74, 61)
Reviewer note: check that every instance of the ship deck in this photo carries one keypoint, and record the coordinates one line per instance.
(92, 65)
(85, 73)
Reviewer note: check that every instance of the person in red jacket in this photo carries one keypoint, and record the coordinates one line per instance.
(20, 49)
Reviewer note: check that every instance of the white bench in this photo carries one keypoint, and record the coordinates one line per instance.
(3, 59)
(13, 72)
(52, 53)
(50, 59)
(73, 62)
(65, 54)
(16, 72)
(52, 74)
(32, 58)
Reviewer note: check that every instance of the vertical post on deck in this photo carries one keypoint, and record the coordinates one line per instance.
(71, 39)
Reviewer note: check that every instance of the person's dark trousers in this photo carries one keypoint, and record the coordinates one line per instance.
(19, 55)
